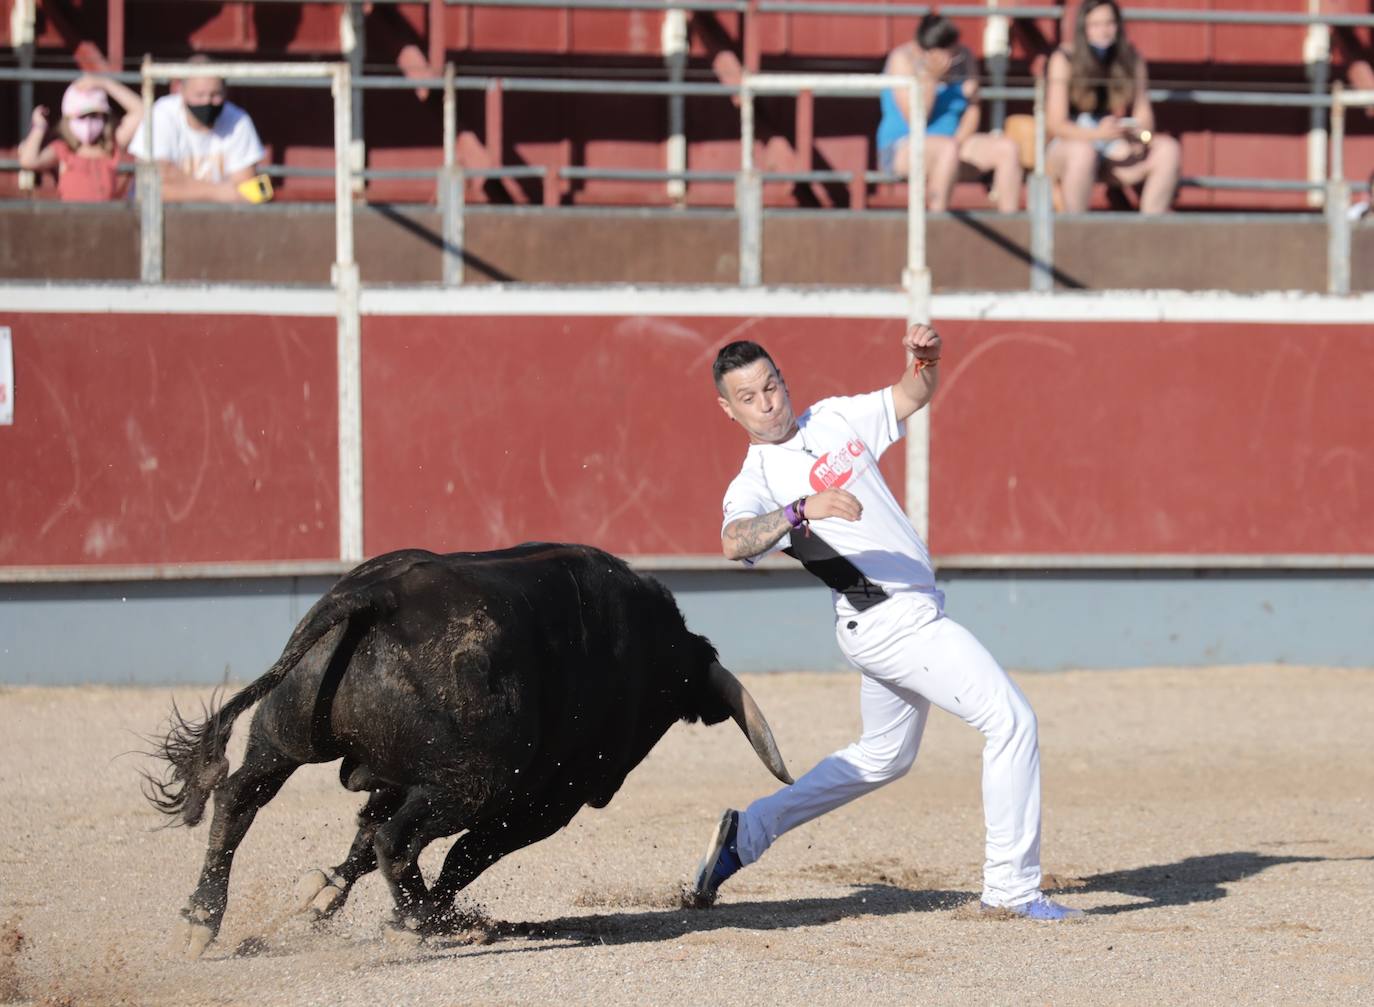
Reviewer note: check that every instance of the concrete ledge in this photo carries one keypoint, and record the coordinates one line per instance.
(778, 619)
(293, 243)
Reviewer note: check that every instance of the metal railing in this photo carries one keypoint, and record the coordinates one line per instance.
(452, 179)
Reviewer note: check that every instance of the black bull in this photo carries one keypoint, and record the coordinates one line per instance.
(495, 693)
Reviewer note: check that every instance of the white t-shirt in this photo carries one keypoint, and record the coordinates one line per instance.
(838, 443)
(207, 155)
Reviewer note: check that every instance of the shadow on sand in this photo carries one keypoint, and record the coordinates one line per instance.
(1183, 882)
(650, 926)
(1192, 879)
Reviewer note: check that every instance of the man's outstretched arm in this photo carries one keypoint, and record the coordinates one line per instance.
(917, 385)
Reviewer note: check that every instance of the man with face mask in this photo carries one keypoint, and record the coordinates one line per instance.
(204, 144)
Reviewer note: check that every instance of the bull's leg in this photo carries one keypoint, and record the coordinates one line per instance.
(482, 846)
(237, 801)
(324, 893)
(428, 813)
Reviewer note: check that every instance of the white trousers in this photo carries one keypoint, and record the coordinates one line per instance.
(911, 656)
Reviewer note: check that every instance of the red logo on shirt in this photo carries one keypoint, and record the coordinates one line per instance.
(835, 467)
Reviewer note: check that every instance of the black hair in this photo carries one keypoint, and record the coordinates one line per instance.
(733, 356)
(936, 32)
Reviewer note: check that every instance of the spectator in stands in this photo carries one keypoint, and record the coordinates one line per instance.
(1099, 116)
(89, 146)
(206, 146)
(953, 145)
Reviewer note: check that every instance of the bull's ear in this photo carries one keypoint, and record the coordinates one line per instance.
(749, 717)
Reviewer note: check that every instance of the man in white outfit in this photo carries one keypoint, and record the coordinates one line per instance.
(810, 485)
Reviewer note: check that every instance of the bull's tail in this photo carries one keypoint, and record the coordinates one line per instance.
(195, 751)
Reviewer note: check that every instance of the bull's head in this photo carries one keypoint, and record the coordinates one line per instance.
(749, 717)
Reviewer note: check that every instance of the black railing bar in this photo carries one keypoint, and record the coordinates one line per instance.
(555, 85)
(1259, 18)
(828, 7)
(649, 175)
(1257, 184)
(1258, 98)
(807, 176)
(302, 3)
(906, 10)
(735, 6)
(39, 76)
(645, 174)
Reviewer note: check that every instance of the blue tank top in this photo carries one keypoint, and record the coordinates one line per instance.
(945, 114)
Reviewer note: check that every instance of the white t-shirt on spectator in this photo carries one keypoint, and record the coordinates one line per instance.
(206, 155)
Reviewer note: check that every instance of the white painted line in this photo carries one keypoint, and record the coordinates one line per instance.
(711, 563)
(699, 302)
(1120, 305)
(1287, 308)
(168, 299)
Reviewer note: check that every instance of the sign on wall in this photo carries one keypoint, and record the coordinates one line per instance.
(6, 378)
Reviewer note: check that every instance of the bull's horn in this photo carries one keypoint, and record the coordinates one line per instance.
(749, 718)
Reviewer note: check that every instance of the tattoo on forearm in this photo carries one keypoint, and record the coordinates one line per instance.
(751, 536)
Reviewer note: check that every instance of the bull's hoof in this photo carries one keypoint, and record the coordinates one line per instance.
(329, 901)
(310, 885)
(198, 938)
(199, 932)
(320, 893)
(455, 923)
(402, 933)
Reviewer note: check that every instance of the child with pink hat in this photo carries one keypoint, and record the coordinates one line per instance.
(88, 146)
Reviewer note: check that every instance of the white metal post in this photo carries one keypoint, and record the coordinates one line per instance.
(996, 55)
(749, 196)
(916, 278)
(917, 282)
(674, 40)
(148, 185)
(1316, 55)
(23, 24)
(1337, 203)
(1040, 204)
(353, 45)
(346, 284)
(450, 117)
(451, 188)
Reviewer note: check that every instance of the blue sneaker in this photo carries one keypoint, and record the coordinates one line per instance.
(1042, 907)
(720, 862)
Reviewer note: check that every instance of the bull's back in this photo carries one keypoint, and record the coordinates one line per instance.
(509, 655)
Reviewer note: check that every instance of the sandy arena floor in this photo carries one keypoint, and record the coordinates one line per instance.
(1217, 824)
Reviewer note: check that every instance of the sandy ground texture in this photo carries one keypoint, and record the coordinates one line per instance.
(1218, 826)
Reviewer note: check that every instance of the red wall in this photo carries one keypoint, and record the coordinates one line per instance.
(162, 439)
(606, 430)
(1135, 438)
(165, 439)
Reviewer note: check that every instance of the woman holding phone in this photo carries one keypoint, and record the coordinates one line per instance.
(1099, 117)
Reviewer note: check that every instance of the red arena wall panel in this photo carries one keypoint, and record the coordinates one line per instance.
(483, 432)
(1107, 438)
(150, 439)
(162, 439)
